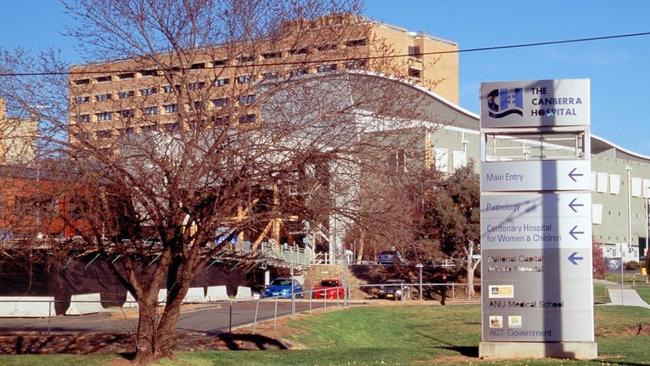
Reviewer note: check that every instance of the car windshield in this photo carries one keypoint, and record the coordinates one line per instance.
(329, 283)
(395, 281)
(281, 283)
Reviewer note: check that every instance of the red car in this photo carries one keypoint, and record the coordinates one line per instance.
(329, 289)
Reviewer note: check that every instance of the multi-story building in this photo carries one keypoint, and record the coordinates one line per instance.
(17, 138)
(137, 95)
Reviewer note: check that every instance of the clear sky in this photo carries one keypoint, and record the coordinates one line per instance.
(619, 69)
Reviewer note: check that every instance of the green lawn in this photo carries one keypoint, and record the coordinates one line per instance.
(644, 292)
(397, 335)
(628, 279)
(601, 295)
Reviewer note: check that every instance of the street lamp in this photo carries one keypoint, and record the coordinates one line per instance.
(420, 266)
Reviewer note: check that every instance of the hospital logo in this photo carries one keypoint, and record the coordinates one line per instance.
(503, 102)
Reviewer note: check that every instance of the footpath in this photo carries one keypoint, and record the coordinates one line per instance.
(626, 297)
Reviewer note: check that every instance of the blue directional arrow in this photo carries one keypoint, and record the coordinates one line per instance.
(573, 258)
(573, 205)
(573, 232)
(573, 174)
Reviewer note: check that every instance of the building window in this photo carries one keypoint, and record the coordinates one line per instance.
(356, 64)
(249, 118)
(245, 59)
(82, 82)
(221, 82)
(357, 42)
(148, 91)
(221, 120)
(129, 131)
(243, 79)
(299, 72)
(272, 55)
(125, 94)
(104, 116)
(299, 51)
(415, 73)
(327, 47)
(103, 79)
(127, 113)
(196, 85)
(170, 108)
(83, 118)
(327, 68)
(149, 129)
(170, 88)
(103, 97)
(270, 76)
(147, 73)
(104, 134)
(150, 111)
(247, 99)
(198, 65)
(414, 51)
(82, 99)
(198, 105)
(221, 62)
(126, 76)
(219, 102)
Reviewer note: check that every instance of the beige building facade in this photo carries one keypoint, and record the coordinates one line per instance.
(137, 96)
(17, 138)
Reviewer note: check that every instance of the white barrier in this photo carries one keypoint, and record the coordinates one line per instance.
(244, 293)
(85, 304)
(216, 293)
(195, 295)
(130, 301)
(26, 306)
(162, 296)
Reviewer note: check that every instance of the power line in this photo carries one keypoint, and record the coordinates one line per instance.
(321, 61)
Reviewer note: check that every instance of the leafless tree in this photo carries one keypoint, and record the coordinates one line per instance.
(186, 164)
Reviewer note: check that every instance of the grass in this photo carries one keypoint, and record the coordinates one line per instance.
(397, 335)
(628, 278)
(644, 292)
(601, 295)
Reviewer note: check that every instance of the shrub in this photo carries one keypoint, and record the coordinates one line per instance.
(632, 266)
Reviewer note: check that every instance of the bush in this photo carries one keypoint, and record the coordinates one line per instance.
(632, 266)
(599, 266)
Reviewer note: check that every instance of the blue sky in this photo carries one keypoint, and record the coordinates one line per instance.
(619, 69)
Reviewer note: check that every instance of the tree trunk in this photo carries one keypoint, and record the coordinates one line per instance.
(362, 242)
(146, 333)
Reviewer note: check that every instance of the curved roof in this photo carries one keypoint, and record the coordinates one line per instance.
(598, 144)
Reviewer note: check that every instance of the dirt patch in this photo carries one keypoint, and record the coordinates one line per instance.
(640, 329)
(87, 343)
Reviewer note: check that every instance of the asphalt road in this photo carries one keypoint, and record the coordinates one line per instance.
(210, 318)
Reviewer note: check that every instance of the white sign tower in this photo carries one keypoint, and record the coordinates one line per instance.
(536, 266)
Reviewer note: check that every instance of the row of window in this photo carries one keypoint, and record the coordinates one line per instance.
(603, 182)
(197, 85)
(167, 109)
(223, 62)
(220, 120)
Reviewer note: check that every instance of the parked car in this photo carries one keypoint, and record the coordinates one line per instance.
(394, 290)
(329, 289)
(390, 257)
(281, 287)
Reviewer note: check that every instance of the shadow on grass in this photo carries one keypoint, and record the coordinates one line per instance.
(248, 341)
(467, 351)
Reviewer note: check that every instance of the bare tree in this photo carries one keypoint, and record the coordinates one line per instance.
(163, 178)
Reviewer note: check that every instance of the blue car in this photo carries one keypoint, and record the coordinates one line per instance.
(281, 287)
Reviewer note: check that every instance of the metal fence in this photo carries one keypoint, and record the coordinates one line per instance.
(223, 316)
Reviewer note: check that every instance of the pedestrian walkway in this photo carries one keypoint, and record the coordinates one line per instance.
(627, 298)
